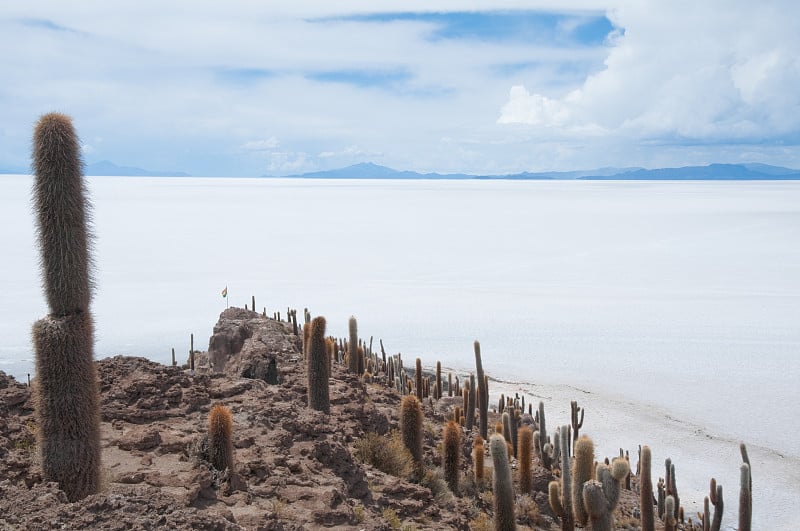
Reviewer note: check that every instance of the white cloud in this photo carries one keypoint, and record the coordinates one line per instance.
(261, 145)
(710, 71)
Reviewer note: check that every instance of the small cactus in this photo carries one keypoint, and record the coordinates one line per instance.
(220, 442)
(352, 346)
(452, 454)
(576, 420)
(318, 366)
(503, 491)
(411, 427)
(477, 459)
(600, 496)
(524, 459)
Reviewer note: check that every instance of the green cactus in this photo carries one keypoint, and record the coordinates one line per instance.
(503, 491)
(352, 346)
(438, 387)
(452, 454)
(546, 458)
(582, 470)
(524, 459)
(411, 428)
(318, 371)
(470, 412)
(513, 415)
(601, 495)
(483, 393)
(575, 422)
(66, 394)
(646, 490)
(560, 493)
(220, 440)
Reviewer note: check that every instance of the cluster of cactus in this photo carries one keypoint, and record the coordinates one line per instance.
(560, 492)
(67, 391)
(601, 495)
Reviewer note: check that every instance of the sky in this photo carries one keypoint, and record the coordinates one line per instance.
(246, 88)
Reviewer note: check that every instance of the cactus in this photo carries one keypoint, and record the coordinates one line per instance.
(220, 442)
(352, 345)
(483, 393)
(746, 459)
(470, 411)
(318, 371)
(560, 494)
(582, 471)
(437, 394)
(411, 428)
(477, 459)
(418, 380)
(600, 496)
(513, 416)
(745, 498)
(715, 496)
(524, 459)
(452, 454)
(543, 437)
(503, 492)
(575, 422)
(66, 396)
(670, 522)
(646, 490)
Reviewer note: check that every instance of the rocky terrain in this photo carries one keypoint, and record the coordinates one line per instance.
(295, 468)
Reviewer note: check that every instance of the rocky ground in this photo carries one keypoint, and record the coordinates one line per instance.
(295, 468)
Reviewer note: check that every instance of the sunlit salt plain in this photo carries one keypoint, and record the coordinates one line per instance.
(669, 310)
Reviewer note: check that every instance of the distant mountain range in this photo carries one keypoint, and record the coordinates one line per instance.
(368, 170)
(712, 172)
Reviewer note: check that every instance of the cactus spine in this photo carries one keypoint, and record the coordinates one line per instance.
(452, 454)
(67, 395)
(646, 490)
(352, 345)
(582, 469)
(220, 442)
(411, 428)
(318, 361)
(503, 492)
(560, 494)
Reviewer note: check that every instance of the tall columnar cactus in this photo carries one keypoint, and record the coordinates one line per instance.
(560, 494)
(746, 460)
(411, 428)
(220, 438)
(600, 496)
(452, 454)
(646, 490)
(503, 490)
(543, 437)
(477, 459)
(66, 394)
(483, 393)
(582, 470)
(576, 419)
(671, 485)
(318, 367)
(513, 416)
(438, 386)
(525, 459)
(715, 496)
(352, 345)
(745, 498)
(418, 380)
(470, 412)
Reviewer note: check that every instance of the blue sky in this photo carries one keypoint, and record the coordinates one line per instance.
(474, 86)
